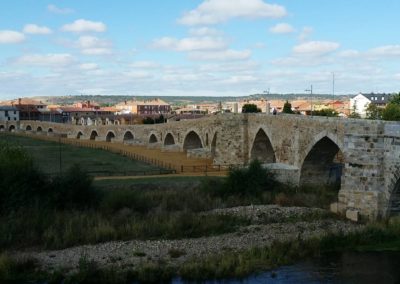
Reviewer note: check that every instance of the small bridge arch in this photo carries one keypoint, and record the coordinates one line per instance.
(214, 145)
(110, 135)
(93, 135)
(153, 138)
(39, 129)
(192, 141)
(50, 130)
(323, 163)
(1, 127)
(262, 149)
(28, 128)
(169, 139)
(128, 136)
(79, 135)
(11, 128)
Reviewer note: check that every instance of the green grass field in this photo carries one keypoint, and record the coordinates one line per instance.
(46, 156)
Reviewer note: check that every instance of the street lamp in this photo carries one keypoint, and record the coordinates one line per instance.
(310, 91)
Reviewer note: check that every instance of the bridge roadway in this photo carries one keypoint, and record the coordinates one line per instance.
(363, 156)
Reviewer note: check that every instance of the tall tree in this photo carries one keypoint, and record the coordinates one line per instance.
(287, 107)
(250, 108)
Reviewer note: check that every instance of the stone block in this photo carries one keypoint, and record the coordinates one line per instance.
(353, 215)
(334, 207)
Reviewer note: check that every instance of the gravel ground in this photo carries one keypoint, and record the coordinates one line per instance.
(259, 234)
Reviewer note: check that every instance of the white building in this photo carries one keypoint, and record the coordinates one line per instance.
(359, 105)
(9, 113)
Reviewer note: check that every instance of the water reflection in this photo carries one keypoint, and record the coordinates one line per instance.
(349, 267)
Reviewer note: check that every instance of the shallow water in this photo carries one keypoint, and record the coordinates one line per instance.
(348, 267)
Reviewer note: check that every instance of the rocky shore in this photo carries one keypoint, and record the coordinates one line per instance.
(269, 224)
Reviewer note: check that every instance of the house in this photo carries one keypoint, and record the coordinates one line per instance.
(360, 103)
(29, 109)
(9, 113)
(146, 107)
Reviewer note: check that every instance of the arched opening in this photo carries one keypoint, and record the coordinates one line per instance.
(128, 136)
(206, 139)
(50, 130)
(323, 164)
(78, 136)
(192, 141)
(214, 145)
(153, 138)
(1, 127)
(28, 128)
(11, 128)
(169, 140)
(110, 136)
(93, 135)
(394, 203)
(39, 129)
(262, 149)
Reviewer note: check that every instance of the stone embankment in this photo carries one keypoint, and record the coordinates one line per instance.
(264, 230)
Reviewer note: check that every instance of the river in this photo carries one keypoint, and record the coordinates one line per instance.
(347, 267)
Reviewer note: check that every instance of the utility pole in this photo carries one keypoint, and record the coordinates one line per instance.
(311, 100)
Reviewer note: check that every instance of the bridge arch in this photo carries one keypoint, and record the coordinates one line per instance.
(323, 163)
(128, 136)
(214, 145)
(394, 199)
(1, 127)
(153, 138)
(192, 141)
(50, 130)
(28, 128)
(78, 136)
(39, 129)
(262, 149)
(11, 128)
(93, 135)
(110, 135)
(169, 139)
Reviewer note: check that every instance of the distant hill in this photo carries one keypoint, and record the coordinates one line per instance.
(106, 100)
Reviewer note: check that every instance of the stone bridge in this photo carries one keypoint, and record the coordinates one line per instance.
(361, 156)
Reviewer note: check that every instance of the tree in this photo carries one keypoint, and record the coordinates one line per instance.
(250, 108)
(287, 108)
(354, 113)
(392, 110)
(373, 111)
(326, 112)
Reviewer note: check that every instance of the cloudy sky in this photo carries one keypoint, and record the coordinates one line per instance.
(198, 47)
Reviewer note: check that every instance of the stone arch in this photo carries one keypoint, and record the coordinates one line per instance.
(93, 135)
(192, 141)
(1, 127)
(11, 128)
(153, 138)
(323, 164)
(214, 145)
(78, 136)
(110, 135)
(39, 129)
(28, 128)
(50, 130)
(169, 139)
(394, 200)
(128, 136)
(262, 149)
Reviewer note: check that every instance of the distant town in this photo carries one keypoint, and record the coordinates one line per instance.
(105, 110)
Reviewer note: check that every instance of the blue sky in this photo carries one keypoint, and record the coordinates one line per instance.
(195, 47)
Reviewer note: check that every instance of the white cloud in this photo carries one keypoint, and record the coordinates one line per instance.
(45, 60)
(240, 79)
(145, 65)
(221, 55)
(81, 25)
(282, 28)
(305, 33)
(56, 10)
(204, 31)
(35, 29)
(7, 36)
(88, 66)
(190, 43)
(351, 53)
(316, 47)
(386, 50)
(217, 11)
(91, 45)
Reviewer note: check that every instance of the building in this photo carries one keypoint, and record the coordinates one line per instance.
(360, 103)
(29, 109)
(9, 113)
(147, 107)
